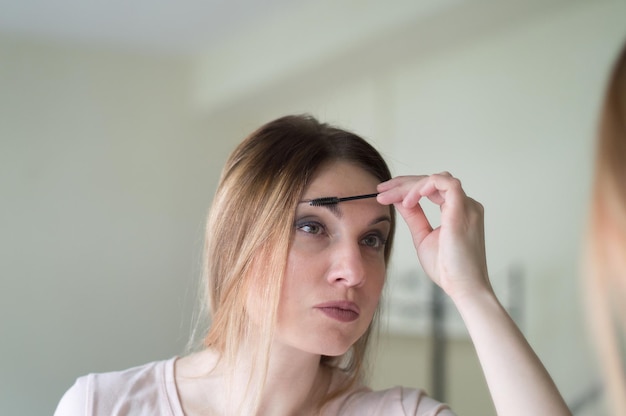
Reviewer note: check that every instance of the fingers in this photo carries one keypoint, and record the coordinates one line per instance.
(408, 190)
(452, 254)
(405, 193)
(417, 222)
(401, 189)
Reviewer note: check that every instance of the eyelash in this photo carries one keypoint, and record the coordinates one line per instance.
(305, 224)
(378, 245)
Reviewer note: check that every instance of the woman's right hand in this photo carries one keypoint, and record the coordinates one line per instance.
(453, 254)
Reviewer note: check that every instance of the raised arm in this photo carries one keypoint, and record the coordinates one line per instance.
(453, 256)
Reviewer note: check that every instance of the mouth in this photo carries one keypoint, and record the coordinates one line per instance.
(342, 311)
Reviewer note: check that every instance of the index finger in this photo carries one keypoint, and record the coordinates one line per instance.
(401, 189)
(443, 189)
(399, 180)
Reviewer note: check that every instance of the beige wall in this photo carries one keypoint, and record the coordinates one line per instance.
(406, 361)
(106, 173)
(108, 162)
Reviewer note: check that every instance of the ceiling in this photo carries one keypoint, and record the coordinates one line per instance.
(188, 27)
(240, 45)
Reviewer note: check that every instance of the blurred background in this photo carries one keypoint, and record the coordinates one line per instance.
(116, 118)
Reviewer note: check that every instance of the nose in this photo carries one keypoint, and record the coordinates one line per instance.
(347, 265)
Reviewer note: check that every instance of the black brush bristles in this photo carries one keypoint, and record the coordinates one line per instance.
(332, 200)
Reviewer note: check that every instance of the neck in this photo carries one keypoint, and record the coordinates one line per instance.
(294, 382)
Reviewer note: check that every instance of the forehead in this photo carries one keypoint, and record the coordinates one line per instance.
(340, 178)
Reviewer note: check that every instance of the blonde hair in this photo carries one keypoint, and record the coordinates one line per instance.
(606, 268)
(250, 227)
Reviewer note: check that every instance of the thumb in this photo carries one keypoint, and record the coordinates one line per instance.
(418, 224)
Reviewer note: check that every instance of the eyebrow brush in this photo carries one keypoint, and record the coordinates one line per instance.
(333, 200)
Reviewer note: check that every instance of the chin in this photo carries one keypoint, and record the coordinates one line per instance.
(329, 346)
(322, 341)
(335, 346)
(335, 352)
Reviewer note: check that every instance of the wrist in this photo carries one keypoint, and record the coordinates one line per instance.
(473, 295)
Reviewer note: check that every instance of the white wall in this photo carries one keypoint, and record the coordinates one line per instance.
(105, 177)
(513, 114)
(107, 166)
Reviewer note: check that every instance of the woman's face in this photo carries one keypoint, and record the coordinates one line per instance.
(336, 266)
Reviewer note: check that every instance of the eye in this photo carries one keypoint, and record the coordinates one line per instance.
(310, 227)
(374, 241)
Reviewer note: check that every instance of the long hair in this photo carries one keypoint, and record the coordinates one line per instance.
(250, 228)
(606, 268)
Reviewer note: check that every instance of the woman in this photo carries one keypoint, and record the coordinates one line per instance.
(294, 287)
(607, 242)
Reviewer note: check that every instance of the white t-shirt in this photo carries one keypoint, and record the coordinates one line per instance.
(150, 390)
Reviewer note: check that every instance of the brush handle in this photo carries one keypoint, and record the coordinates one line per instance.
(350, 198)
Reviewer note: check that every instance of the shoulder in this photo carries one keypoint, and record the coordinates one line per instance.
(145, 389)
(393, 401)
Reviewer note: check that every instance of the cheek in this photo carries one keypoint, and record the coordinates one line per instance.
(300, 273)
(376, 279)
(304, 259)
(377, 267)
(378, 287)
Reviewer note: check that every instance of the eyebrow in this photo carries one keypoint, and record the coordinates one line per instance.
(337, 212)
(380, 219)
(335, 209)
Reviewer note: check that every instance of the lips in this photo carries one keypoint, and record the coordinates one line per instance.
(342, 311)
